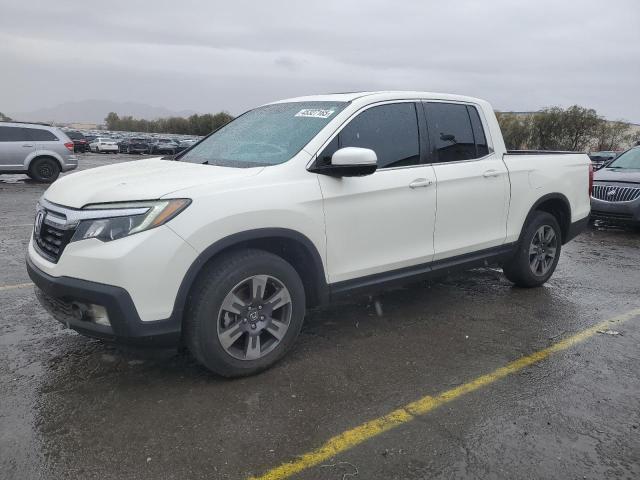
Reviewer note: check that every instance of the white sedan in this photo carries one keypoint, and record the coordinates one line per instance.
(100, 145)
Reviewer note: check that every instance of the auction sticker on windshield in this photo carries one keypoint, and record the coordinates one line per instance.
(315, 113)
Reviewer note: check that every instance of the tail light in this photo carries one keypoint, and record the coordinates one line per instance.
(590, 179)
(69, 146)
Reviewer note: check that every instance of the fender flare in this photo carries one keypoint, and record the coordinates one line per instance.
(42, 153)
(540, 201)
(236, 239)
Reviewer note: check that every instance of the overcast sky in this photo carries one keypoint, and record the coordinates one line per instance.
(213, 55)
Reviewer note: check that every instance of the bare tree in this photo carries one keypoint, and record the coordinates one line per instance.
(612, 136)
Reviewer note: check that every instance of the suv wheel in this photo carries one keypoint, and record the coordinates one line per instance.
(538, 252)
(245, 313)
(45, 170)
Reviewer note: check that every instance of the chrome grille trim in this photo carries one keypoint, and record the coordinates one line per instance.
(68, 218)
(615, 194)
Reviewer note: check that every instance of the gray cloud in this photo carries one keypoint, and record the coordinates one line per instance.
(212, 55)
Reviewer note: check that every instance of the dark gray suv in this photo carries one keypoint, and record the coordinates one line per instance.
(40, 151)
(616, 190)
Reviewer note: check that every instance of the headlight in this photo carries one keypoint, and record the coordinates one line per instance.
(116, 220)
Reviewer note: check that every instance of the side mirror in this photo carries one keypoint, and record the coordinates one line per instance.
(350, 162)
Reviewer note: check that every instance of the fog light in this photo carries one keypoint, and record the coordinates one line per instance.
(89, 312)
(98, 314)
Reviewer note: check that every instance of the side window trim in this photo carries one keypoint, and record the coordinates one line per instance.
(422, 129)
(432, 140)
(426, 153)
(474, 131)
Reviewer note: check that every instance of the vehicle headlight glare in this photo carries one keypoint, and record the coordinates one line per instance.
(118, 220)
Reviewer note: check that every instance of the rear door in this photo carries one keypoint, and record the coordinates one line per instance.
(472, 181)
(47, 140)
(384, 221)
(15, 146)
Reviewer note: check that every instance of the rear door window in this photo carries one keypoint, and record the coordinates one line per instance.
(13, 134)
(39, 135)
(451, 132)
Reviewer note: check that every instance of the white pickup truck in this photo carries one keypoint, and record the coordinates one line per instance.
(289, 206)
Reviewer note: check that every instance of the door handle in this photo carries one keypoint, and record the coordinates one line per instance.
(27, 145)
(491, 173)
(420, 182)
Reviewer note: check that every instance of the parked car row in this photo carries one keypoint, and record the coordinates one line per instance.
(140, 144)
(156, 146)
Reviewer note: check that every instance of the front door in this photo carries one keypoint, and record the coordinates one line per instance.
(384, 221)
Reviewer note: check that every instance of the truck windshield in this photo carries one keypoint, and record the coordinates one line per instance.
(628, 160)
(267, 135)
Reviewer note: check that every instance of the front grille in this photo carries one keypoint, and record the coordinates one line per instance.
(614, 194)
(51, 240)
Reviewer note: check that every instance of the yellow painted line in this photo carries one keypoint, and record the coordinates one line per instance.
(13, 287)
(407, 413)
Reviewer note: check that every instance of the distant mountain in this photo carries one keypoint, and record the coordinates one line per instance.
(94, 111)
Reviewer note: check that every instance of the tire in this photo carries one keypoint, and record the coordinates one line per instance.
(44, 170)
(222, 339)
(538, 252)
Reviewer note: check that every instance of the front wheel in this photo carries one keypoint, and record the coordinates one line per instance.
(244, 313)
(538, 252)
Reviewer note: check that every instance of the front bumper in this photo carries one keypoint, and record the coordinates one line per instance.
(60, 296)
(616, 212)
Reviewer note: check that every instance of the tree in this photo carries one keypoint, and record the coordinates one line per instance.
(4, 118)
(194, 125)
(612, 136)
(581, 125)
(516, 130)
(112, 121)
(572, 129)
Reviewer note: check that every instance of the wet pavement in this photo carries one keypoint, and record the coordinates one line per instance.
(75, 408)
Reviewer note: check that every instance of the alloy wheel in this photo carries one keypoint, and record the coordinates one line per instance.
(254, 317)
(542, 250)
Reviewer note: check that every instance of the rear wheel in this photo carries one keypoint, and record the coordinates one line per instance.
(45, 170)
(538, 253)
(245, 313)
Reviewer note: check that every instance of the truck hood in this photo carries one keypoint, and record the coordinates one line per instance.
(617, 175)
(138, 180)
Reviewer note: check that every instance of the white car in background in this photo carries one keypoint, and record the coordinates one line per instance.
(102, 144)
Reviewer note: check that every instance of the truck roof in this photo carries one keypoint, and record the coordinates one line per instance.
(380, 96)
